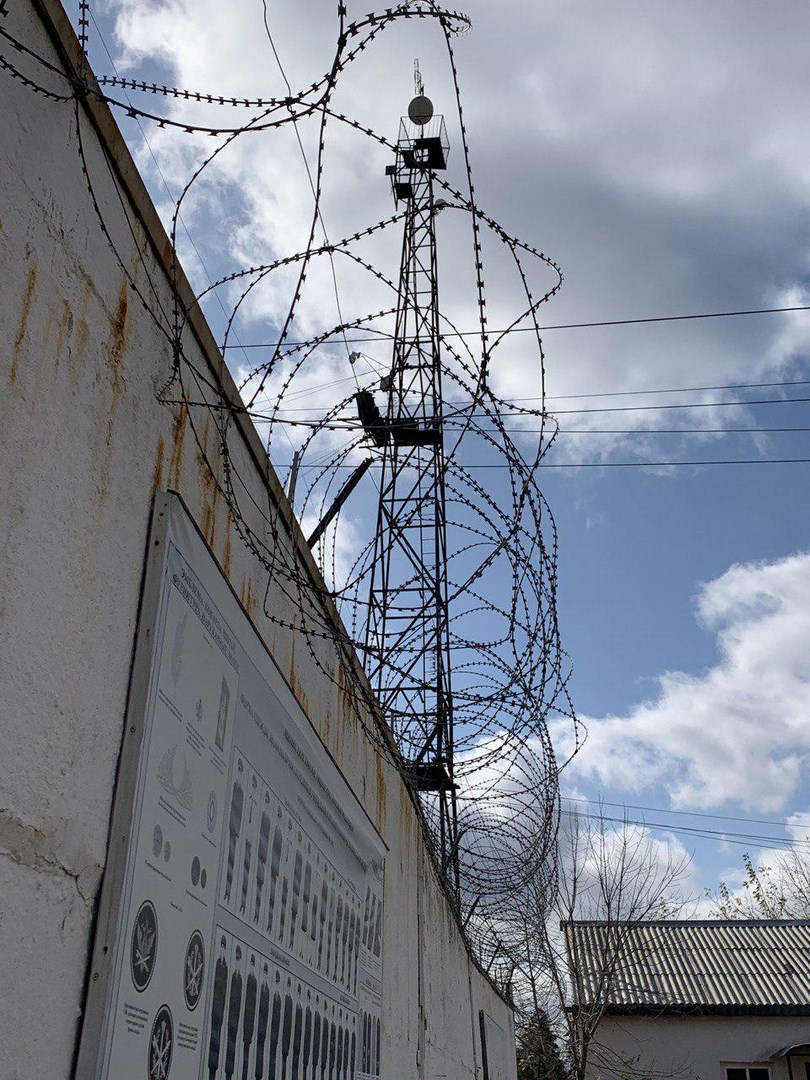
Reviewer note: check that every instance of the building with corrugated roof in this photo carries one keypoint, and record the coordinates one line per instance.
(710, 1000)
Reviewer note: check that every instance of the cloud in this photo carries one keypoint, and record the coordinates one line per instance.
(738, 731)
(651, 151)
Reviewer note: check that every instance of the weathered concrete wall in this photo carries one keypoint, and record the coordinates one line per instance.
(84, 445)
(697, 1047)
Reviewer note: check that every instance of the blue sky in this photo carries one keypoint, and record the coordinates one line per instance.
(657, 153)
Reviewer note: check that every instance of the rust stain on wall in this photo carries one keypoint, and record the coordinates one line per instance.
(210, 493)
(297, 688)
(65, 331)
(211, 499)
(48, 335)
(381, 793)
(157, 472)
(178, 437)
(83, 327)
(116, 344)
(246, 594)
(347, 710)
(82, 341)
(226, 561)
(114, 348)
(28, 299)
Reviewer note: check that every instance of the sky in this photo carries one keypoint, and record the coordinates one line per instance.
(657, 154)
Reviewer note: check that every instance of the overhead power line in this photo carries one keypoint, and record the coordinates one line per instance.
(564, 326)
(729, 836)
(785, 822)
(574, 412)
(660, 431)
(679, 405)
(669, 390)
(594, 394)
(622, 464)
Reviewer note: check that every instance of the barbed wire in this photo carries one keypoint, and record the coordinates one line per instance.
(510, 672)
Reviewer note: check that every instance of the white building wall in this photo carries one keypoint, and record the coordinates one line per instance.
(695, 1047)
(84, 445)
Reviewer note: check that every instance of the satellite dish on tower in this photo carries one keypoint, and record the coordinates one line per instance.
(420, 110)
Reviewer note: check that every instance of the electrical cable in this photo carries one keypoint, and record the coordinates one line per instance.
(594, 324)
(785, 822)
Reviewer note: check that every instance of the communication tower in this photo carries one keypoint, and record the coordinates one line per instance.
(407, 630)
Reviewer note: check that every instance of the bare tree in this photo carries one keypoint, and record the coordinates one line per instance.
(608, 872)
(778, 890)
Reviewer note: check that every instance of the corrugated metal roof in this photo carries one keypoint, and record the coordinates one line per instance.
(679, 964)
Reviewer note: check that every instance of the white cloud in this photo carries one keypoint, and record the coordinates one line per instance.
(738, 731)
(651, 151)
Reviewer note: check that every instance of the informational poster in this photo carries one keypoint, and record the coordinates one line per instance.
(249, 941)
(499, 1062)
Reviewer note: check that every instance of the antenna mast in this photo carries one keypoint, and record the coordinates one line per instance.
(408, 634)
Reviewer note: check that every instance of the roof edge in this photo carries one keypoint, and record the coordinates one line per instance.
(704, 1010)
(685, 922)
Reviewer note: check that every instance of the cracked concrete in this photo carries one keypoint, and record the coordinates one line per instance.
(43, 850)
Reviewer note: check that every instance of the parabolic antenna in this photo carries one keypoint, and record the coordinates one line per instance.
(420, 110)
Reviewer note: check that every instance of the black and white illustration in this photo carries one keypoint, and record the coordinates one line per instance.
(212, 812)
(143, 949)
(178, 648)
(234, 1014)
(237, 803)
(161, 1045)
(222, 714)
(248, 867)
(219, 997)
(266, 1022)
(194, 970)
(174, 775)
(287, 887)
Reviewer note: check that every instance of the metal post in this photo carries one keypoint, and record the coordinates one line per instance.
(408, 633)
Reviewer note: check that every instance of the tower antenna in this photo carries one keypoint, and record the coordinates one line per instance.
(407, 632)
(418, 82)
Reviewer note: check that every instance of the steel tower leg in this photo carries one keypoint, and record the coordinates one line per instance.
(408, 636)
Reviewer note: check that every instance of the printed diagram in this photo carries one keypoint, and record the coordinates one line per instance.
(283, 1027)
(177, 650)
(372, 923)
(176, 780)
(218, 998)
(199, 876)
(265, 1020)
(161, 1044)
(211, 812)
(143, 950)
(280, 882)
(193, 970)
(250, 919)
(222, 715)
(369, 1045)
(234, 1014)
(234, 825)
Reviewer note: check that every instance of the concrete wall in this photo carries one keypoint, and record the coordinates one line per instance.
(696, 1047)
(84, 445)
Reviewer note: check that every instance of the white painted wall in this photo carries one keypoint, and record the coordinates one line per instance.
(83, 447)
(695, 1047)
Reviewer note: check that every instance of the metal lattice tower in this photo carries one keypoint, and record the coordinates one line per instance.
(407, 636)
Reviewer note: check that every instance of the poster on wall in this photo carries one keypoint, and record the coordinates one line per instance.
(499, 1064)
(249, 918)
